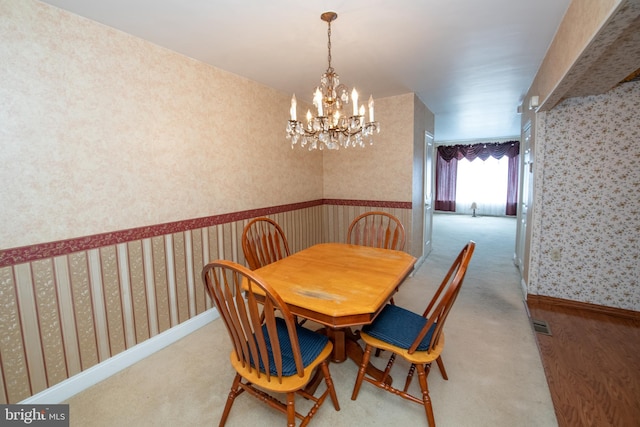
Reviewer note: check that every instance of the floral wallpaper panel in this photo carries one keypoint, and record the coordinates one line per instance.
(587, 234)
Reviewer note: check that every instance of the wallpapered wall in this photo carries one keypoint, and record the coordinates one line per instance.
(393, 169)
(587, 220)
(581, 21)
(384, 173)
(103, 134)
(101, 131)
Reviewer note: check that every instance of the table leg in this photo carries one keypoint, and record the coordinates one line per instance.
(315, 382)
(338, 355)
(338, 338)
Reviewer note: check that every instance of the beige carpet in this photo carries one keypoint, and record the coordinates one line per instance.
(495, 373)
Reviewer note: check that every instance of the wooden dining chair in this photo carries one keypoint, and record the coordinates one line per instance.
(271, 354)
(263, 242)
(419, 339)
(377, 229)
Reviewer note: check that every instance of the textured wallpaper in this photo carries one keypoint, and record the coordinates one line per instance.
(587, 227)
(102, 131)
(574, 34)
(380, 171)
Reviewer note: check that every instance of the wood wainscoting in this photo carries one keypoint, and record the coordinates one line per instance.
(591, 360)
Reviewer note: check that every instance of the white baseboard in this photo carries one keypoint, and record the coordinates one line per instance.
(523, 284)
(85, 379)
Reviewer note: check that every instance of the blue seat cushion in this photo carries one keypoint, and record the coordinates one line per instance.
(400, 327)
(311, 345)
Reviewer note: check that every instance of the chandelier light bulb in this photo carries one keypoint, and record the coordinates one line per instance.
(317, 101)
(370, 108)
(294, 104)
(354, 100)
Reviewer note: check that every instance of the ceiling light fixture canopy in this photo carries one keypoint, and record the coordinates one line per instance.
(333, 127)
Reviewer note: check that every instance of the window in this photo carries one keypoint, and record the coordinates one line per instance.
(484, 182)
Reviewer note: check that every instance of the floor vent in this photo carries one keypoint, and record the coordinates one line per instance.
(541, 327)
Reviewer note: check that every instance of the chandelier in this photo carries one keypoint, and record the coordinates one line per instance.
(332, 127)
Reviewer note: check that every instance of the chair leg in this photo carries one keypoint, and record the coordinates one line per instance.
(426, 400)
(407, 383)
(235, 390)
(387, 369)
(413, 368)
(291, 409)
(329, 381)
(441, 366)
(361, 372)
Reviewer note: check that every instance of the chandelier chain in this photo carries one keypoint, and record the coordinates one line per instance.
(329, 45)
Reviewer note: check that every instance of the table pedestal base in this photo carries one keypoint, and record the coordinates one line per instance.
(345, 346)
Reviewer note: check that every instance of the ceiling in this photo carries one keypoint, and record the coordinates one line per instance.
(471, 62)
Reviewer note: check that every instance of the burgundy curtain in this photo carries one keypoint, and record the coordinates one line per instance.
(512, 186)
(447, 168)
(446, 174)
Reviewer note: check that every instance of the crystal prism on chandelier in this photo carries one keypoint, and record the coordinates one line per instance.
(333, 126)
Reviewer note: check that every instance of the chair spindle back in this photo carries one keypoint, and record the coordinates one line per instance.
(443, 299)
(377, 229)
(263, 242)
(241, 298)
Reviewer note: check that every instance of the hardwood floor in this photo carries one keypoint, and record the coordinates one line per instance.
(592, 364)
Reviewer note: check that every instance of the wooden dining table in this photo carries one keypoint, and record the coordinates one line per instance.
(339, 286)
